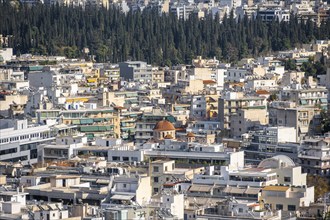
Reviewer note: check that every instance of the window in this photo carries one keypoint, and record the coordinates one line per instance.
(279, 207)
(156, 190)
(240, 210)
(291, 208)
(156, 179)
(287, 179)
(165, 168)
(124, 185)
(156, 169)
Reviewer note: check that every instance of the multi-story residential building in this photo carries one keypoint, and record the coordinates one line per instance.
(182, 11)
(19, 141)
(306, 120)
(314, 156)
(314, 97)
(165, 171)
(136, 71)
(149, 96)
(92, 122)
(176, 73)
(292, 77)
(204, 107)
(182, 90)
(6, 53)
(261, 84)
(273, 177)
(245, 120)
(269, 14)
(70, 188)
(118, 98)
(231, 103)
(135, 188)
(128, 123)
(62, 149)
(112, 72)
(269, 142)
(189, 152)
(287, 198)
(7, 98)
(236, 74)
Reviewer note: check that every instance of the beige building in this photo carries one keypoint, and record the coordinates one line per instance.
(246, 119)
(232, 102)
(287, 198)
(157, 75)
(118, 98)
(6, 99)
(292, 77)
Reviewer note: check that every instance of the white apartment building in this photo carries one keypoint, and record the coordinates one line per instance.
(236, 75)
(19, 141)
(314, 156)
(136, 70)
(62, 149)
(276, 170)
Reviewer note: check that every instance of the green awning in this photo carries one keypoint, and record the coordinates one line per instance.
(76, 122)
(86, 121)
(324, 101)
(109, 128)
(303, 102)
(90, 136)
(35, 68)
(178, 108)
(170, 119)
(98, 119)
(102, 128)
(89, 129)
(131, 94)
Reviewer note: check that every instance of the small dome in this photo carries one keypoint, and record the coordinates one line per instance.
(276, 162)
(164, 126)
(168, 136)
(190, 134)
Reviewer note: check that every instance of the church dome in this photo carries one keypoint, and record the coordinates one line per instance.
(164, 126)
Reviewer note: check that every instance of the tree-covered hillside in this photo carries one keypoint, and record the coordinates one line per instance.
(164, 40)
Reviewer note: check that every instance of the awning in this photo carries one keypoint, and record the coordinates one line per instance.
(226, 190)
(200, 188)
(323, 101)
(89, 128)
(75, 122)
(86, 121)
(303, 102)
(178, 108)
(235, 190)
(252, 191)
(102, 181)
(122, 197)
